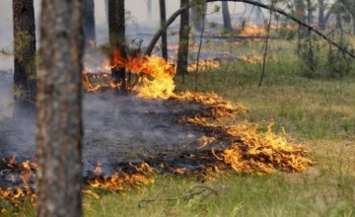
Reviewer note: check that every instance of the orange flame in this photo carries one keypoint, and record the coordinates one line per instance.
(155, 75)
(122, 181)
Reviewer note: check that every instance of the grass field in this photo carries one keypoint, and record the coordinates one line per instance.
(318, 112)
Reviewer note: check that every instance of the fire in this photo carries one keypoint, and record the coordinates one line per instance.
(154, 74)
(218, 108)
(157, 77)
(252, 30)
(262, 152)
(249, 150)
(136, 176)
(253, 58)
(243, 147)
(203, 65)
(17, 173)
(123, 180)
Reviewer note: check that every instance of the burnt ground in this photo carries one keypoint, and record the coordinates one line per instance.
(129, 129)
(123, 129)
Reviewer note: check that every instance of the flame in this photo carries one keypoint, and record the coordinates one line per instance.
(250, 150)
(205, 140)
(157, 80)
(252, 29)
(16, 195)
(123, 180)
(155, 75)
(253, 58)
(203, 65)
(266, 151)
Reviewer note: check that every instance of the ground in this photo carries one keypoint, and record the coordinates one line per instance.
(317, 112)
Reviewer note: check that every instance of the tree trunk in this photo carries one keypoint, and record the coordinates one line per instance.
(310, 12)
(197, 16)
(117, 32)
(349, 5)
(300, 10)
(164, 37)
(59, 124)
(89, 24)
(301, 15)
(226, 17)
(24, 59)
(183, 51)
(321, 18)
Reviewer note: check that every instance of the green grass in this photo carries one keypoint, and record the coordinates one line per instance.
(317, 112)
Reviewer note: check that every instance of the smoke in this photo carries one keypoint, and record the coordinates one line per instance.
(126, 128)
(6, 95)
(16, 138)
(116, 128)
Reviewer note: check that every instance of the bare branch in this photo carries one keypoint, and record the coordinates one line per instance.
(251, 2)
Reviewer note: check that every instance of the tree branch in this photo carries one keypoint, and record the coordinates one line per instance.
(251, 2)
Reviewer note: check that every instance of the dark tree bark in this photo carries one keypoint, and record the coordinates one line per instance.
(117, 32)
(183, 51)
(24, 59)
(226, 17)
(309, 12)
(89, 24)
(300, 10)
(349, 5)
(59, 124)
(332, 10)
(197, 16)
(164, 37)
(321, 18)
(300, 14)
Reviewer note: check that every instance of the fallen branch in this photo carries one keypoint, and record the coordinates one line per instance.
(192, 192)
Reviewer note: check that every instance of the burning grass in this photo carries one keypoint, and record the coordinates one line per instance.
(136, 176)
(247, 149)
(242, 147)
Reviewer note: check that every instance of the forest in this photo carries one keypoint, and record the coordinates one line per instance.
(177, 108)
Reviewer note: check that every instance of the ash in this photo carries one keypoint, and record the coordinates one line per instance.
(117, 129)
(128, 129)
